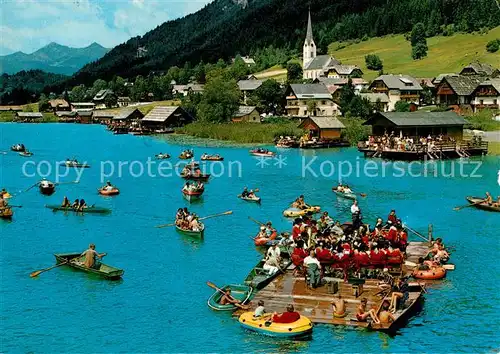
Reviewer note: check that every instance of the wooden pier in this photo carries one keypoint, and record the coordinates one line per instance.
(316, 303)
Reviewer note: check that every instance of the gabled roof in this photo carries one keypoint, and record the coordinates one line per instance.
(160, 113)
(325, 122)
(84, 113)
(89, 104)
(480, 68)
(321, 62)
(343, 69)
(243, 111)
(195, 87)
(102, 94)
(437, 80)
(431, 119)
(103, 114)
(65, 114)
(374, 97)
(249, 85)
(490, 82)
(315, 91)
(59, 102)
(30, 114)
(399, 82)
(126, 113)
(463, 85)
(248, 60)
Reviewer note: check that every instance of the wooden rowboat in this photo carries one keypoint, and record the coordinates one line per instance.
(26, 154)
(351, 196)
(75, 164)
(6, 213)
(74, 260)
(254, 199)
(262, 154)
(48, 189)
(198, 234)
(258, 278)
(212, 158)
(91, 210)
(162, 156)
(240, 292)
(186, 156)
(483, 205)
(192, 195)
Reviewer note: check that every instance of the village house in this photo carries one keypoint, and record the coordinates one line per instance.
(128, 115)
(380, 100)
(103, 117)
(482, 69)
(325, 128)
(101, 97)
(164, 119)
(59, 105)
(84, 117)
(310, 99)
(82, 106)
(28, 117)
(333, 84)
(313, 65)
(437, 80)
(417, 124)
(247, 60)
(247, 87)
(123, 101)
(397, 88)
(457, 90)
(486, 95)
(342, 71)
(11, 108)
(248, 114)
(184, 90)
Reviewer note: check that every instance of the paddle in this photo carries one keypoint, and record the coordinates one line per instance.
(38, 272)
(468, 205)
(12, 206)
(206, 217)
(256, 221)
(36, 184)
(213, 286)
(416, 233)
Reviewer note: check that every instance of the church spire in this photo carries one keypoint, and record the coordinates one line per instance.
(309, 35)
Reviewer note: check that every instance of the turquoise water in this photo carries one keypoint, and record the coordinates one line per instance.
(160, 306)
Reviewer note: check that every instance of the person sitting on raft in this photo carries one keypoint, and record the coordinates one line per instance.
(91, 257)
(244, 194)
(227, 299)
(66, 203)
(299, 203)
(260, 311)
(346, 189)
(362, 315)
(251, 194)
(108, 186)
(75, 204)
(289, 316)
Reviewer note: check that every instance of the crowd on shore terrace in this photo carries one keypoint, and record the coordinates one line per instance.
(392, 142)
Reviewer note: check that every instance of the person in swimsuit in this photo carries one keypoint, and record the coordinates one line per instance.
(362, 315)
(66, 203)
(338, 306)
(227, 299)
(385, 315)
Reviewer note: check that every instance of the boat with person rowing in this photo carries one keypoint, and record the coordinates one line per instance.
(76, 261)
(18, 148)
(480, 203)
(217, 157)
(75, 164)
(108, 192)
(294, 212)
(302, 328)
(192, 233)
(6, 213)
(47, 188)
(186, 155)
(345, 195)
(161, 156)
(259, 278)
(253, 199)
(262, 153)
(192, 195)
(240, 292)
(89, 210)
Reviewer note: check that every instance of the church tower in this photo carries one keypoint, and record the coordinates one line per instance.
(309, 50)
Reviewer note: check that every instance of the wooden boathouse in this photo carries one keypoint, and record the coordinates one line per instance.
(419, 136)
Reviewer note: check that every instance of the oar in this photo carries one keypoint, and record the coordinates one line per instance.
(256, 221)
(206, 217)
(38, 272)
(416, 233)
(213, 286)
(468, 205)
(12, 206)
(32, 186)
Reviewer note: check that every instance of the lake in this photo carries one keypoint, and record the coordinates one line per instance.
(160, 305)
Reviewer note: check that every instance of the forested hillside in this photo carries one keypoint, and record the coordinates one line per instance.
(224, 28)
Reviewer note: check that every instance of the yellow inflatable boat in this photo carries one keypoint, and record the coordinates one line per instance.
(301, 328)
(295, 212)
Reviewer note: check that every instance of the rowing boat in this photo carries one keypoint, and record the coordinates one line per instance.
(196, 177)
(302, 328)
(294, 212)
(262, 153)
(47, 189)
(75, 164)
(258, 278)
(254, 199)
(92, 210)
(6, 213)
(162, 156)
(103, 191)
(193, 195)
(212, 158)
(483, 205)
(198, 234)
(186, 156)
(76, 261)
(240, 292)
(344, 195)
(26, 154)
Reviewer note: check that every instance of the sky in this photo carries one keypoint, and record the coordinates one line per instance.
(27, 25)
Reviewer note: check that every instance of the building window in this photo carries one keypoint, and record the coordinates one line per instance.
(481, 101)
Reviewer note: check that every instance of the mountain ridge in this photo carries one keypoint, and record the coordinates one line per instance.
(53, 58)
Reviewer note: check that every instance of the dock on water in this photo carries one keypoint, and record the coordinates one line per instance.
(316, 303)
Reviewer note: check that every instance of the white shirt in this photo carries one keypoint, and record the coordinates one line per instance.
(274, 252)
(311, 260)
(354, 209)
